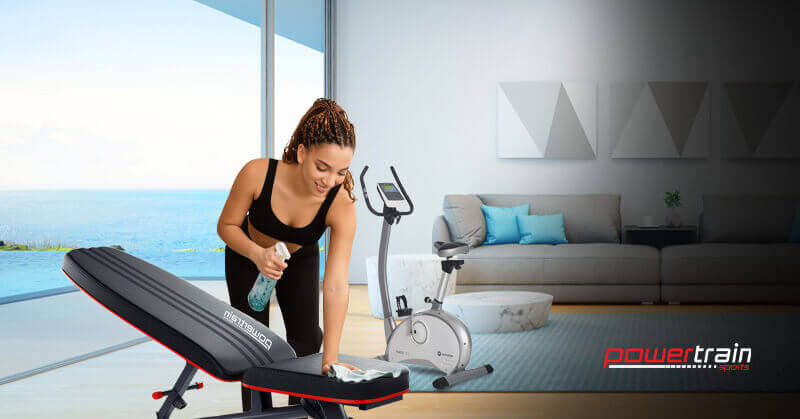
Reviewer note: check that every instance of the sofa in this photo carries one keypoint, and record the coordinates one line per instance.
(593, 267)
(730, 262)
(742, 254)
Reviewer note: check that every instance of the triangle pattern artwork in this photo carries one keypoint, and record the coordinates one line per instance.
(754, 106)
(782, 138)
(516, 138)
(534, 104)
(567, 137)
(679, 103)
(547, 120)
(583, 97)
(646, 134)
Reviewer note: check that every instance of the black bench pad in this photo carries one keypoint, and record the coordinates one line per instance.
(303, 377)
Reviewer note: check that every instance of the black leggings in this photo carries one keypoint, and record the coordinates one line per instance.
(298, 297)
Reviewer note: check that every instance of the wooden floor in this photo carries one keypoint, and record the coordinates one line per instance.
(118, 384)
(359, 339)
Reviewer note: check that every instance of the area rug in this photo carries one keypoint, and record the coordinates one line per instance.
(616, 352)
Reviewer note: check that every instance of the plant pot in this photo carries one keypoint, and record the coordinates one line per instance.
(675, 218)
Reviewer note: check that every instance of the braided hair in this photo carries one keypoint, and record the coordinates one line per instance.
(324, 123)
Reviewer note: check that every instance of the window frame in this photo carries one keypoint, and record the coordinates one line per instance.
(268, 77)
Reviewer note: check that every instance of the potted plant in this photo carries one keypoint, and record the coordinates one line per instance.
(673, 201)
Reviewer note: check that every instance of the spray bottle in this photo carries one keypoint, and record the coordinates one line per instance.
(262, 289)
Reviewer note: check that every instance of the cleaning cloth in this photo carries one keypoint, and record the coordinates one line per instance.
(347, 375)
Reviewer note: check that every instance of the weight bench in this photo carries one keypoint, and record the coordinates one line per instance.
(222, 341)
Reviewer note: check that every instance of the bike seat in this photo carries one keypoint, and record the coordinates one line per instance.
(448, 249)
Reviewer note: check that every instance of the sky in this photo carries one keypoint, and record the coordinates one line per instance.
(138, 94)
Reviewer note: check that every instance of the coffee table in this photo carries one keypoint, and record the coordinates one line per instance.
(500, 311)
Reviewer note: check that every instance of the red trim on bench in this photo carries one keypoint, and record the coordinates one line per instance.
(327, 399)
(195, 365)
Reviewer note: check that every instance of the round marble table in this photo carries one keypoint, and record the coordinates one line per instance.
(415, 276)
(500, 311)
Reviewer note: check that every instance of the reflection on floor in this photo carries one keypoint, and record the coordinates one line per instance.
(47, 330)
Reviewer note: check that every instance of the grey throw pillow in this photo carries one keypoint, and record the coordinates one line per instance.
(465, 219)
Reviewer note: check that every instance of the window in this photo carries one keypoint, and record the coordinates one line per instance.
(115, 135)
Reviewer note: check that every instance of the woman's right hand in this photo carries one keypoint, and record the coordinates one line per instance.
(269, 263)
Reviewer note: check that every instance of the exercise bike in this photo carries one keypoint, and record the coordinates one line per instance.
(432, 337)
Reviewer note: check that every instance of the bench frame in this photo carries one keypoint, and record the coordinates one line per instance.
(317, 409)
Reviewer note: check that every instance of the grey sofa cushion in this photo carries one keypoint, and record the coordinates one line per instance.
(588, 218)
(465, 219)
(727, 218)
(586, 263)
(509, 251)
(731, 263)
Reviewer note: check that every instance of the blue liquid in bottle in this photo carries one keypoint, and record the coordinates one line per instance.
(262, 289)
(259, 294)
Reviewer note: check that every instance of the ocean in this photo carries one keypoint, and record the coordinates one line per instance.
(155, 225)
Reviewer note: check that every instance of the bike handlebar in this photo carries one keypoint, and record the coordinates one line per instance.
(399, 184)
(366, 195)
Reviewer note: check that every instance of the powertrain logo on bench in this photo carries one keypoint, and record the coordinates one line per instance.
(723, 359)
(247, 327)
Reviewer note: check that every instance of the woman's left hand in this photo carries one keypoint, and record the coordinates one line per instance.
(326, 366)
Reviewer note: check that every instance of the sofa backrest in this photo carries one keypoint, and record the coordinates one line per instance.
(588, 218)
(746, 218)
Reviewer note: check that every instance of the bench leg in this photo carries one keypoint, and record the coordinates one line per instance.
(174, 396)
(255, 402)
(319, 409)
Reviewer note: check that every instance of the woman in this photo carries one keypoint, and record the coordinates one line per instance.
(293, 201)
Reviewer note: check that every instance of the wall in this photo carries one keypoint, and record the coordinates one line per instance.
(418, 80)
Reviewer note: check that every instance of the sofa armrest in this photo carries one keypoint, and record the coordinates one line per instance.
(440, 231)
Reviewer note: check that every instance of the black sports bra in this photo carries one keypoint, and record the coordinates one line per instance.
(265, 221)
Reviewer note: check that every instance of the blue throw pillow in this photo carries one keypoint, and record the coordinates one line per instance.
(501, 223)
(794, 236)
(542, 229)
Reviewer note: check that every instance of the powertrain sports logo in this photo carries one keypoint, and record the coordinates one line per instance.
(723, 359)
(247, 327)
